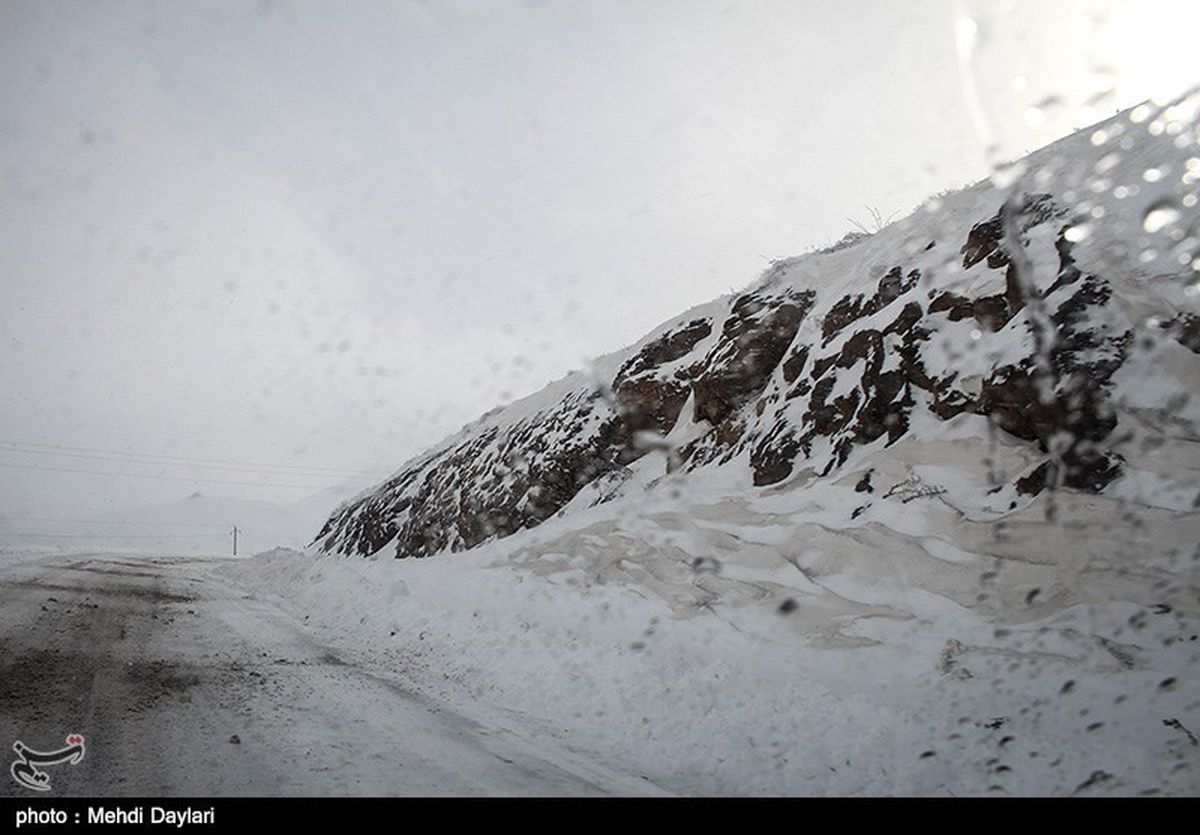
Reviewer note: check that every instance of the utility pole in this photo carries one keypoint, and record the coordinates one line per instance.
(235, 533)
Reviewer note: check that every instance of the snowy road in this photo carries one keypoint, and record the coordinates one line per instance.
(184, 684)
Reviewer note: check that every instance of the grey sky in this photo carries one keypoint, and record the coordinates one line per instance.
(327, 234)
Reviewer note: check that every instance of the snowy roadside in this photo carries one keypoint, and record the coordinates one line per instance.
(770, 681)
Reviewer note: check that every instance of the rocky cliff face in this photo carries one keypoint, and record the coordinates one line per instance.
(1015, 306)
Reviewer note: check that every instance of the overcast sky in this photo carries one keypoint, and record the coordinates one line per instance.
(318, 234)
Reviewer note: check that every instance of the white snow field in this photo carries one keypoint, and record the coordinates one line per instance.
(911, 662)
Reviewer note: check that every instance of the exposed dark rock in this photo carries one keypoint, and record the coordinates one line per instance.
(648, 403)
(793, 366)
(986, 239)
(958, 307)
(1185, 329)
(754, 338)
(852, 308)
(1063, 399)
(772, 458)
(1091, 472)
(984, 242)
(667, 348)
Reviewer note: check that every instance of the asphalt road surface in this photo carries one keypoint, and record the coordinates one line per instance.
(184, 684)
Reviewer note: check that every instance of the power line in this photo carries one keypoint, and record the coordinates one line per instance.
(132, 522)
(156, 477)
(50, 449)
(148, 463)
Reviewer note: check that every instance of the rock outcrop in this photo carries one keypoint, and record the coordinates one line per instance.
(849, 349)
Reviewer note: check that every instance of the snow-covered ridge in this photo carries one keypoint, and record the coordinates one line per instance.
(1057, 313)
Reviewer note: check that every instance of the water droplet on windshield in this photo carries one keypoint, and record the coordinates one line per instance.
(1078, 232)
(1106, 163)
(1006, 174)
(1036, 114)
(1159, 215)
(1140, 113)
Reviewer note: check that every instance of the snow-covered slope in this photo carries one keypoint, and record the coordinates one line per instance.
(1035, 331)
(916, 514)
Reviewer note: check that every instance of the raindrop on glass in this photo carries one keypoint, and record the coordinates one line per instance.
(1078, 232)
(1159, 215)
(1006, 174)
(1106, 163)
(1037, 113)
(1140, 113)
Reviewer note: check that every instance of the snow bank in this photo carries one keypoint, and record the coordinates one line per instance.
(720, 648)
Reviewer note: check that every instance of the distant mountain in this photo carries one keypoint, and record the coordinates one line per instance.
(1047, 317)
